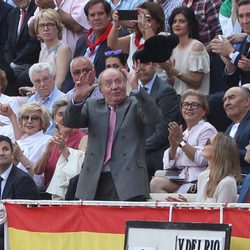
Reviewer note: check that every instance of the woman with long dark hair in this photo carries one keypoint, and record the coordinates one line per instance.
(189, 65)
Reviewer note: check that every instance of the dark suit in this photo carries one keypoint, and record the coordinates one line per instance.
(127, 165)
(244, 76)
(21, 49)
(156, 135)
(4, 10)
(19, 185)
(242, 138)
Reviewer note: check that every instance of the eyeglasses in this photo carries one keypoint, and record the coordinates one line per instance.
(41, 26)
(112, 52)
(32, 118)
(192, 105)
(208, 142)
(83, 71)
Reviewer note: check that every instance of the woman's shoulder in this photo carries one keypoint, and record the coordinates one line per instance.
(197, 46)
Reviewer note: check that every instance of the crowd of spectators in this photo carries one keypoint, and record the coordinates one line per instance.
(86, 112)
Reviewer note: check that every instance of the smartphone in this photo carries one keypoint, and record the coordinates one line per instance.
(128, 14)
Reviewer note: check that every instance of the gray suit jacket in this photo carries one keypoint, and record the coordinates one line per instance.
(127, 165)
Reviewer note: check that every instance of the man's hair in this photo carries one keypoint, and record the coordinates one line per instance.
(90, 3)
(104, 71)
(8, 140)
(80, 58)
(38, 67)
(243, 2)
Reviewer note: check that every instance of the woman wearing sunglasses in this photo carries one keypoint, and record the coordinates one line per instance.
(29, 132)
(185, 148)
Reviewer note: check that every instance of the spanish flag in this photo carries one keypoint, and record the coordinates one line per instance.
(87, 227)
(73, 227)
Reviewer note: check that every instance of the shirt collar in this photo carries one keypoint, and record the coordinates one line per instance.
(149, 84)
(6, 173)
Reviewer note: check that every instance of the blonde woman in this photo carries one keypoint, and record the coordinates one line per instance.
(48, 28)
(219, 182)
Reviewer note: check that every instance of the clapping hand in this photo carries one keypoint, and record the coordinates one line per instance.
(175, 134)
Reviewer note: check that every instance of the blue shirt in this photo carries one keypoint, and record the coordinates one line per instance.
(125, 4)
(55, 95)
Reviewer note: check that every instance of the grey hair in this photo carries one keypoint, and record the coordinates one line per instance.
(38, 67)
(80, 58)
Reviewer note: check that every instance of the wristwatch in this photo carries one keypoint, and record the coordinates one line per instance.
(182, 143)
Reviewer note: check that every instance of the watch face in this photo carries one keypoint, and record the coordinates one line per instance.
(182, 143)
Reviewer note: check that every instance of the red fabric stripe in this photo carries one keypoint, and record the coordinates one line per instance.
(240, 220)
(79, 218)
(196, 215)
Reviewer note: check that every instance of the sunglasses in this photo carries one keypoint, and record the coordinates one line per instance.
(32, 118)
(112, 52)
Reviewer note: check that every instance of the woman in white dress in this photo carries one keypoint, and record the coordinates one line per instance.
(189, 64)
(29, 131)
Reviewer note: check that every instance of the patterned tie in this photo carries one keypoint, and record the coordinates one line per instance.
(111, 130)
(1, 179)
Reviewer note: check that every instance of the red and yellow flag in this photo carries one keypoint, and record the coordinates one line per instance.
(103, 227)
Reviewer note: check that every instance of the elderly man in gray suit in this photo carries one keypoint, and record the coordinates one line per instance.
(114, 166)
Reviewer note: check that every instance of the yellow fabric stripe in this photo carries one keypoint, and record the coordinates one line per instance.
(24, 240)
(239, 243)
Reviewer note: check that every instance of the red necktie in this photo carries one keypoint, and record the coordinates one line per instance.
(111, 130)
(23, 14)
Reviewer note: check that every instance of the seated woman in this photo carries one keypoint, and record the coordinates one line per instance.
(218, 184)
(49, 27)
(151, 21)
(185, 148)
(189, 64)
(29, 128)
(60, 143)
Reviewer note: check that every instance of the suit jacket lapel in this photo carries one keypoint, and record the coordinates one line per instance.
(100, 51)
(9, 191)
(155, 87)
(26, 18)
(242, 125)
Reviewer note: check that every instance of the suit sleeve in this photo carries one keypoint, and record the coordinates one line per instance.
(169, 104)
(148, 110)
(26, 189)
(76, 115)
